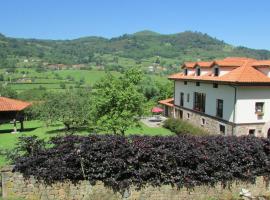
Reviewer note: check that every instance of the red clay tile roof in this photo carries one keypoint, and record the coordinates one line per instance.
(189, 64)
(204, 64)
(7, 104)
(261, 63)
(244, 71)
(167, 102)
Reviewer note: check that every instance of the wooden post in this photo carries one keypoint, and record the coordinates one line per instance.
(14, 126)
(22, 127)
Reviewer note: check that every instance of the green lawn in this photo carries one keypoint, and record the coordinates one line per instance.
(8, 140)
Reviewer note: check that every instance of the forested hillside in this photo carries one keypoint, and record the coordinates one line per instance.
(145, 45)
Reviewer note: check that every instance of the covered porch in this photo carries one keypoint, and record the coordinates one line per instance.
(11, 111)
(167, 104)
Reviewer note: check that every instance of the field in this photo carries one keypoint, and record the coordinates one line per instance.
(8, 140)
(25, 78)
(28, 78)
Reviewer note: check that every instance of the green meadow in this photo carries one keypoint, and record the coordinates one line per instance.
(38, 128)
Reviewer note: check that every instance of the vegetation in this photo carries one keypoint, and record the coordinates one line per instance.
(7, 92)
(142, 48)
(37, 128)
(117, 103)
(70, 108)
(120, 161)
(182, 127)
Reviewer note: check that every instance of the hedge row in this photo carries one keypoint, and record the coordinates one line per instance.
(183, 127)
(139, 160)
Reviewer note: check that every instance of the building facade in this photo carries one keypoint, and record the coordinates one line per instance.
(228, 97)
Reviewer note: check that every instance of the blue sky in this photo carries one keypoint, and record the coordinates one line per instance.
(238, 22)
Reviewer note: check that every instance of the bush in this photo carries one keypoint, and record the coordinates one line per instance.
(120, 161)
(181, 127)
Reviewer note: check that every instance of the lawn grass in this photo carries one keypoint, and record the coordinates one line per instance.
(8, 140)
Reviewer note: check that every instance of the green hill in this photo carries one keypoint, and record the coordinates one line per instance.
(137, 47)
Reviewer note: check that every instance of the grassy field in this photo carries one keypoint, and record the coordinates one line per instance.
(27, 78)
(8, 140)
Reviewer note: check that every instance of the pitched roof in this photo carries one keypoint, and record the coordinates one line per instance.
(189, 64)
(244, 71)
(204, 64)
(7, 104)
(167, 102)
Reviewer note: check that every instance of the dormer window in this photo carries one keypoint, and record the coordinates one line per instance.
(198, 71)
(216, 71)
(186, 72)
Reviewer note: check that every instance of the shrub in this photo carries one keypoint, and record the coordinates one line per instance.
(120, 161)
(181, 127)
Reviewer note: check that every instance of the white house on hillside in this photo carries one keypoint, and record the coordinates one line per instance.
(229, 96)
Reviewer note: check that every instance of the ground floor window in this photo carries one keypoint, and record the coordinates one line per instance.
(222, 129)
(251, 132)
(202, 121)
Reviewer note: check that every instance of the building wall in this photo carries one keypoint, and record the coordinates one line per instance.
(265, 70)
(224, 92)
(245, 106)
(204, 71)
(210, 125)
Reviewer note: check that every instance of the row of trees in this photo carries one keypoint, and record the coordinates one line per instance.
(113, 105)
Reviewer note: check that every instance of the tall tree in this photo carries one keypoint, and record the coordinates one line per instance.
(117, 103)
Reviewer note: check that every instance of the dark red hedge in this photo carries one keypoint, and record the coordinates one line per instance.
(123, 161)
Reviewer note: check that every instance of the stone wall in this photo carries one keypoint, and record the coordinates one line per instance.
(211, 125)
(15, 186)
(243, 129)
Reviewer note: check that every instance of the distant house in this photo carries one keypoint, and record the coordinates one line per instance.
(24, 80)
(151, 69)
(229, 96)
(78, 66)
(57, 66)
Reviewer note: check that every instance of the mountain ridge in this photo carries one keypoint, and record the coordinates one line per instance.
(146, 44)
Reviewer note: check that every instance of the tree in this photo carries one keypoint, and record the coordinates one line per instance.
(2, 77)
(69, 107)
(117, 104)
(7, 92)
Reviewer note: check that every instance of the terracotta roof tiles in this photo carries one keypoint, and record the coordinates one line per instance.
(7, 104)
(244, 71)
(167, 102)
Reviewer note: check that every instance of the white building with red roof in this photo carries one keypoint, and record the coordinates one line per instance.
(229, 96)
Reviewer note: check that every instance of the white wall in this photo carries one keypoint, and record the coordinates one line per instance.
(224, 70)
(265, 70)
(212, 94)
(246, 99)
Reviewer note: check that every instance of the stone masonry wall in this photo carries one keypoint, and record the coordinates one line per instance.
(211, 125)
(15, 186)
